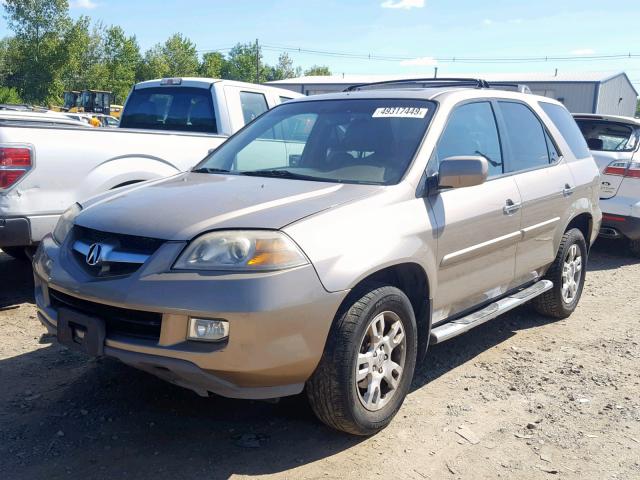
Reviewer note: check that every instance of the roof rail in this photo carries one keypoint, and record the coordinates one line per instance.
(439, 82)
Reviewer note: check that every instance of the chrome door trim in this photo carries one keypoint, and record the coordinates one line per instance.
(481, 248)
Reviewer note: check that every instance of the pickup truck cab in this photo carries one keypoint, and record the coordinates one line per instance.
(391, 218)
(614, 142)
(166, 127)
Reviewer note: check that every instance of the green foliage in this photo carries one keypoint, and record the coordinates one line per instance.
(9, 95)
(318, 70)
(50, 53)
(638, 108)
(212, 65)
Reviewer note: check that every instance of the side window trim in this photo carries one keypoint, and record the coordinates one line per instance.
(433, 162)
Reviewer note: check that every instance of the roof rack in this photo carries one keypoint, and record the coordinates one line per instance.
(441, 82)
(445, 82)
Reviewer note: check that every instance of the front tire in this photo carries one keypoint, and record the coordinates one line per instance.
(368, 363)
(567, 274)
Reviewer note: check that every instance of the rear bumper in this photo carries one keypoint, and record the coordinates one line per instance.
(25, 231)
(14, 232)
(616, 226)
(620, 217)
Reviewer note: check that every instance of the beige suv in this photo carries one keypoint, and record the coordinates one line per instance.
(328, 243)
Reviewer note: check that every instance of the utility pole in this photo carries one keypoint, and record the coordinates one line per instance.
(257, 62)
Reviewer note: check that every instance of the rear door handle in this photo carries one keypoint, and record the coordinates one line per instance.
(511, 207)
(567, 190)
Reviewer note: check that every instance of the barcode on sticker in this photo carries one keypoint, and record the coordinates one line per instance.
(400, 112)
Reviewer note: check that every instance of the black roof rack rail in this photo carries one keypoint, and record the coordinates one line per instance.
(440, 82)
(520, 87)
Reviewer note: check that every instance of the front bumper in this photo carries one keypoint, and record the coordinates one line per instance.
(278, 321)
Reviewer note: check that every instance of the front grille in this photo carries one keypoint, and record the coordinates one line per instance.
(125, 247)
(118, 321)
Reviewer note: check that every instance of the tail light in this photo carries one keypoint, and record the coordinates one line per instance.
(15, 162)
(623, 169)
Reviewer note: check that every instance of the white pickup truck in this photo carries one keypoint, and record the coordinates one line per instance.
(166, 127)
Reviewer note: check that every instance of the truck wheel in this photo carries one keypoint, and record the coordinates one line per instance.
(16, 252)
(634, 246)
(567, 274)
(368, 363)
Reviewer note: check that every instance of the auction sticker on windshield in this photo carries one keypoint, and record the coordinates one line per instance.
(400, 112)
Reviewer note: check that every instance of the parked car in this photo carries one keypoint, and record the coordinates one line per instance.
(33, 118)
(615, 143)
(328, 243)
(167, 127)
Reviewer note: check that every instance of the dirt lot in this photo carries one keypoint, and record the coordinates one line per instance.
(520, 397)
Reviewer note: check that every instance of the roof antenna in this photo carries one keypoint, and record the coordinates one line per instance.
(556, 74)
(435, 72)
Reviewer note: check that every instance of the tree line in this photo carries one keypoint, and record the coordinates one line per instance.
(50, 53)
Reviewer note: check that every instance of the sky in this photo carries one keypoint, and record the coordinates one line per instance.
(418, 34)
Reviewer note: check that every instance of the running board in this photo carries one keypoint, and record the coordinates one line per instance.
(464, 324)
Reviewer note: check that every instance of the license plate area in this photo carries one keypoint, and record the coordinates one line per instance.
(81, 332)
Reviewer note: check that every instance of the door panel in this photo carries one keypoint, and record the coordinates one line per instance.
(476, 244)
(545, 206)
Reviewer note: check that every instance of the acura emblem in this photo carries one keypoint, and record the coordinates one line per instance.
(94, 255)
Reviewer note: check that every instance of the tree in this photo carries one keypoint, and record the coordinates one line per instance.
(284, 68)
(318, 70)
(9, 95)
(39, 26)
(121, 59)
(242, 62)
(153, 65)
(638, 108)
(181, 56)
(212, 65)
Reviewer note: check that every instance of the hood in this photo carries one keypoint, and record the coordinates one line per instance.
(183, 206)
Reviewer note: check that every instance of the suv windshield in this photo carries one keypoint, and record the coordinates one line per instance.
(348, 141)
(170, 108)
(607, 136)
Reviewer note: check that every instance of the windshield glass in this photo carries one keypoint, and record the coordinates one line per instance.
(348, 141)
(170, 108)
(607, 136)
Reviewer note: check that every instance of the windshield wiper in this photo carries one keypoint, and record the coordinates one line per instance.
(210, 170)
(280, 174)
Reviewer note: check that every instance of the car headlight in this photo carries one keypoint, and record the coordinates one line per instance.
(241, 250)
(65, 223)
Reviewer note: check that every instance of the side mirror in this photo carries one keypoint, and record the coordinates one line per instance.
(462, 171)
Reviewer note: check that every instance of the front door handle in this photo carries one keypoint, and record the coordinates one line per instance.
(567, 190)
(511, 207)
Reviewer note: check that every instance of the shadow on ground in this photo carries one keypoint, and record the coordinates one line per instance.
(68, 416)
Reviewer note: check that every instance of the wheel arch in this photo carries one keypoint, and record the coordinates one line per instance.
(413, 281)
(584, 223)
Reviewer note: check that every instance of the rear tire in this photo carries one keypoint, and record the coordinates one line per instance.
(18, 253)
(567, 274)
(634, 247)
(368, 363)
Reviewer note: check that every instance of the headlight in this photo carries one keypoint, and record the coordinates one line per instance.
(241, 250)
(65, 223)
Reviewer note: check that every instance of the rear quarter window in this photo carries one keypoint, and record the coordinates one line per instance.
(564, 122)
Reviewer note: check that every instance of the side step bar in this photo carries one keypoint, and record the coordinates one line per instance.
(464, 324)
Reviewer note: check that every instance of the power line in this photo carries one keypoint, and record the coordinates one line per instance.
(400, 58)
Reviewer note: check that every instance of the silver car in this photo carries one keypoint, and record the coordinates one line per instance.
(328, 243)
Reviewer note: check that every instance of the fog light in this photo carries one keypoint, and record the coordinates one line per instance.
(208, 330)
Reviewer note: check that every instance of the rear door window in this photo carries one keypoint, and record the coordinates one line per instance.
(170, 108)
(253, 105)
(472, 130)
(526, 137)
(564, 122)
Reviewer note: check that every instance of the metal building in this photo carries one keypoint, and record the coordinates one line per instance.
(604, 93)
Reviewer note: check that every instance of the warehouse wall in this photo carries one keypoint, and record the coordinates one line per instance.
(577, 97)
(610, 94)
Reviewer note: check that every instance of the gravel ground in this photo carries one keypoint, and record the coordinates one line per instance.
(520, 397)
